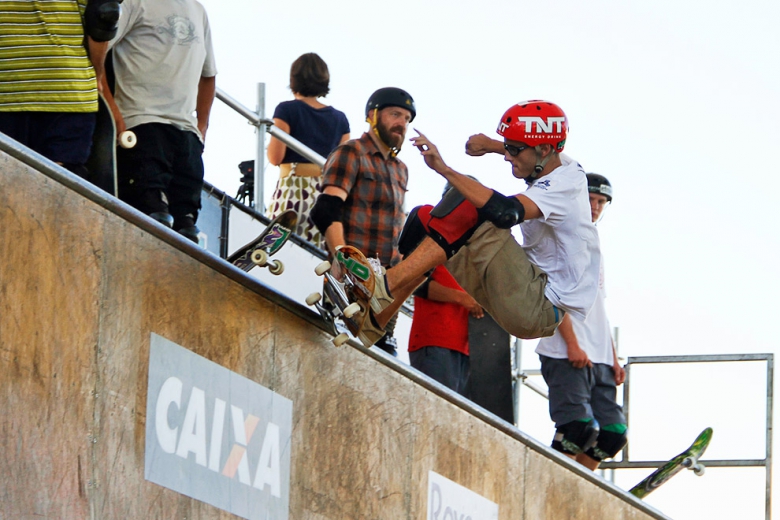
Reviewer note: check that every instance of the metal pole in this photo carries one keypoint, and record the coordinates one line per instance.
(260, 157)
(770, 369)
(517, 383)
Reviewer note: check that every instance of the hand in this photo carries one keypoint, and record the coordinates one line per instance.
(578, 358)
(620, 373)
(473, 307)
(120, 125)
(335, 270)
(429, 152)
(478, 144)
(203, 128)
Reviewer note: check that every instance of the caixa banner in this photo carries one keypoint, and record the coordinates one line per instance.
(216, 436)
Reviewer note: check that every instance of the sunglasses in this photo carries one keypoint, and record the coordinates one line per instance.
(514, 150)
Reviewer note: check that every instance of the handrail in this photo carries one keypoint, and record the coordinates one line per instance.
(272, 129)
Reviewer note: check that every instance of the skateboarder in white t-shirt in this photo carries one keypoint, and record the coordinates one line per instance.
(530, 290)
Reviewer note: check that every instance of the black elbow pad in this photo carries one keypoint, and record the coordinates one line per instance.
(504, 212)
(100, 19)
(327, 210)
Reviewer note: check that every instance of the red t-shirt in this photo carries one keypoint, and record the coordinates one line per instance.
(440, 324)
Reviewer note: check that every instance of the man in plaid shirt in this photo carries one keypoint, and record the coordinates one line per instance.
(364, 185)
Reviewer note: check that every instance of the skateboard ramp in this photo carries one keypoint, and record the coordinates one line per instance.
(142, 377)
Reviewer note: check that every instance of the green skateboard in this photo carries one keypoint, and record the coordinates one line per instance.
(687, 459)
(271, 240)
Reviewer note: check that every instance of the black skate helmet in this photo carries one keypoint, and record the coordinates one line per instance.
(599, 184)
(391, 97)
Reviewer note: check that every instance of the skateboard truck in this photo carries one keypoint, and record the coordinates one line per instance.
(338, 297)
(257, 252)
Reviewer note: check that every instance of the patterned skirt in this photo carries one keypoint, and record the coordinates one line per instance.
(299, 194)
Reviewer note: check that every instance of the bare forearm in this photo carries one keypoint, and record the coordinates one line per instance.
(207, 89)
(97, 55)
(439, 293)
(475, 192)
(334, 236)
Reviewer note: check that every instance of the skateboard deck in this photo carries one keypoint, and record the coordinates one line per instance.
(102, 157)
(348, 302)
(268, 243)
(101, 163)
(687, 459)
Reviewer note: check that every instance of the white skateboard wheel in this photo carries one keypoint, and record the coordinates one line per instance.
(127, 139)
(276, 267)
(341, 339)
(351, 309)
(322, 268)
(259, 257)
(313, 298)
(698, 470)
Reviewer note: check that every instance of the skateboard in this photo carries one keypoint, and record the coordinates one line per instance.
(687, 459)
(101, 163)
(268, 243)
(348, 302)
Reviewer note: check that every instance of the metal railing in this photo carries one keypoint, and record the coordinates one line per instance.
(521, 378)
(766, 463)
(263, 125)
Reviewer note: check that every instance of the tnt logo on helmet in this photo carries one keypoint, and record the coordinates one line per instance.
(534, 123)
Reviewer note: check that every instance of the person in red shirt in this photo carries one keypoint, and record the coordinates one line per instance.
(439, 338)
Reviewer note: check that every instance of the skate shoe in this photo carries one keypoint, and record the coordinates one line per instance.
(381, 298)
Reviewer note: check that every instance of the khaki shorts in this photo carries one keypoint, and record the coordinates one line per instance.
(495, 271)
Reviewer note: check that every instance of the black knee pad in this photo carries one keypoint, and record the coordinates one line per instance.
(412, 234)
(451, 222)
(608, 444)
(449, 202)
(100, 19)
(576, 437)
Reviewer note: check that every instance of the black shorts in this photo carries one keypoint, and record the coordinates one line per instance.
(581, 393)
(164, 158)
(62, 137)
(449, 367)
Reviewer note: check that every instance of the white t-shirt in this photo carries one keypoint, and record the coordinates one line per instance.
(161, 50)
(564, 243)
(593, 334)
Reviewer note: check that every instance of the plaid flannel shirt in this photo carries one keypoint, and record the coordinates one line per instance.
(373, 212)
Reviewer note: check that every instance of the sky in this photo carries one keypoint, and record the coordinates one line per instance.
(677, 103)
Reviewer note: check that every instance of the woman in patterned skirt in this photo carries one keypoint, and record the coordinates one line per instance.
(320, 127)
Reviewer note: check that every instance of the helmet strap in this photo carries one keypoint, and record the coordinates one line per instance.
(539, 168)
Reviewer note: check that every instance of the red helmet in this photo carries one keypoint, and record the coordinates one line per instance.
(534, 123)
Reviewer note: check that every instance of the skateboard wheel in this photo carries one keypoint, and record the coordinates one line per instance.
(698, 470)
(351, 309)
(313, 298)
(276, 267)
(259, 257)
(341, 339)
(688, 462)
(127, 139)
(322, 268)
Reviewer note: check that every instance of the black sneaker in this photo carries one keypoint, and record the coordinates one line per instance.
(186, 227)
(388, 344)
(155, 204)
(163, 218)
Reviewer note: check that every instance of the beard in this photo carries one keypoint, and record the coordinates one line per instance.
(388, 135)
